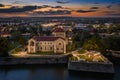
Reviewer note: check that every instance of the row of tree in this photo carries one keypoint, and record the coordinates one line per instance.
(95, 42)
(102, 44)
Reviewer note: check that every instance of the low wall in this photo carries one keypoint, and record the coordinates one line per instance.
(91, 66)
(34, 60)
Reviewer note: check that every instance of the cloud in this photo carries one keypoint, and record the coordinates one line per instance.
(94, 8)
(63, 2)
(45, 6)
(18, 9)
(85, 11)
(109, 6)
(57, 7)
(32, 8)
(51, 12)
(2, 5)
(118, 4)
(115, 14)
(107, 12)
(23, 2)
(96, 3)
(48, 6)
(18, 2)
(112, 13)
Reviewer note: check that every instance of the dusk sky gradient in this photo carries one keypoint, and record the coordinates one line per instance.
(77, 8)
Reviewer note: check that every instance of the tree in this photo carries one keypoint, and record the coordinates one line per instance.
(81, 37)
(113, 42)
(91, 44)
(4, 47)
(22, 40)
(71, 47)
(47, 32)
(16, 36)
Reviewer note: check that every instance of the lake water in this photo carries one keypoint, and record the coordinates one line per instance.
(49, 72)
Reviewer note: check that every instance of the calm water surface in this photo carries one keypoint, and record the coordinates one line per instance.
(48, 72)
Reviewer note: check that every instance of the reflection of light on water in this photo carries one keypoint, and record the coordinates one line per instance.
(47, 72)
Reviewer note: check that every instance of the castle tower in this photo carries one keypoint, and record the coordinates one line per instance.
(59, 32)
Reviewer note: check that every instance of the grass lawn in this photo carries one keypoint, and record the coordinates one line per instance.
(82, 51)
(17, 50)
(91, 58)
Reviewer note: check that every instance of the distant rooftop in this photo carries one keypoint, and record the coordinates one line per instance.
(4, 33)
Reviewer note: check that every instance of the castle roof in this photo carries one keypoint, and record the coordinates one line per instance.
(46, 38)
(58, 30)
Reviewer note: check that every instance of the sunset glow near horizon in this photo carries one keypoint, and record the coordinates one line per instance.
(77, 8)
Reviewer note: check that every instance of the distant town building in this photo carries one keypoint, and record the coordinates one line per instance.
(5, 34)
(26, 35)
(67, 28)
(80, 26)
(96, 26)
(48, 24)
(108, 25)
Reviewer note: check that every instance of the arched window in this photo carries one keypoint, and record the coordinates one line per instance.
(59, 43)
(31, 43)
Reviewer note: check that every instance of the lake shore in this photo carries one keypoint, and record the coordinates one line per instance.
(58, 59)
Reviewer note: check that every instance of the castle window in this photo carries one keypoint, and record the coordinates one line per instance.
(50, 48)
(37, 48)
(45, 48)
(31, 43)
(59, 43)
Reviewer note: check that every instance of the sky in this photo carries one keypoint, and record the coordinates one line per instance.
(75, 8)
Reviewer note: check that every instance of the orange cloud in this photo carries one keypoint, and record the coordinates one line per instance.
(87, 14)
(13, 15)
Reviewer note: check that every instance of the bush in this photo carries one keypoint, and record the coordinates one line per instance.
(82, 56)
(17, 50)
(73, 58)
(82, 51)
(89, 59)
(91, 44)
